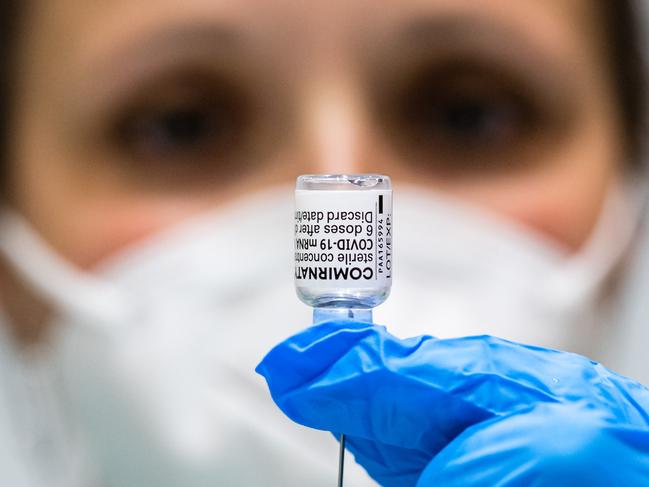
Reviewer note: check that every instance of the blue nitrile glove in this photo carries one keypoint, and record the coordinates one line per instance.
(465, 412)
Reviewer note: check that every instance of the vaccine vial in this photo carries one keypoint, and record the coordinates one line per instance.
(343, 241)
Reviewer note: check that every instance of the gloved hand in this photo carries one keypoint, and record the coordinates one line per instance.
(468, 411)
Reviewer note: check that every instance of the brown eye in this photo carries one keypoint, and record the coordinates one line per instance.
(184, 122)
(464, 116)
(466, 111)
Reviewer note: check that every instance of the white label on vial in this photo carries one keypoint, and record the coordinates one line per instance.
(343, 237)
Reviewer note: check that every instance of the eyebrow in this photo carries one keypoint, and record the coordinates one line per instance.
(179, 38)
(480, 37)
(451, 30)
(443, 29)
(150, 51)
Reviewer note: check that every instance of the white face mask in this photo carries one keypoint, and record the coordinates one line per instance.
(188, 314)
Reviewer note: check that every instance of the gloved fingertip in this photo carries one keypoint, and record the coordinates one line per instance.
(325, 330)
(306, 354)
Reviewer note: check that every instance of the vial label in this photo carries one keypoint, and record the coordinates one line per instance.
(343, 237)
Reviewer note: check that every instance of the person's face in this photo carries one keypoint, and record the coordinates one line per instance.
(132, 116)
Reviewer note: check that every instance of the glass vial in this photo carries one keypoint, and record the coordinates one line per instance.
(343, 241)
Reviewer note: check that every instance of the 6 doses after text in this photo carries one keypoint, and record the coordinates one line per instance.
(343, 237)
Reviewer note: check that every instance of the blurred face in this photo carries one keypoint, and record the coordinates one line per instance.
(132, 116)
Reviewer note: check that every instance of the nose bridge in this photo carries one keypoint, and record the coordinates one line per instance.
(334, 124)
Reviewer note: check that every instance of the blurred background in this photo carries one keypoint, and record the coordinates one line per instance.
(149, 152)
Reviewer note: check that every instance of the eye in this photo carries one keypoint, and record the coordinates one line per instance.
(468, 113)
(465, 116)
(183, 122)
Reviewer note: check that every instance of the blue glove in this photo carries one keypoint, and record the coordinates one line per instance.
(465, 412)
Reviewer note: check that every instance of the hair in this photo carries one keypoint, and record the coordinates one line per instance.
(8, 47)
(621, 29)
(623, 32)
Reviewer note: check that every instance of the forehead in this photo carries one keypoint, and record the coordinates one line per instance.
(95, 24)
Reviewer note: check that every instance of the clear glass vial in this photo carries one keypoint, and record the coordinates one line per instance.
(343, 241)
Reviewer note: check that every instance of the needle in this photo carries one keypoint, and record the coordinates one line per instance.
(341, 461)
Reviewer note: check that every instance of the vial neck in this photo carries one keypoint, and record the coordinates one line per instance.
(321, 315)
